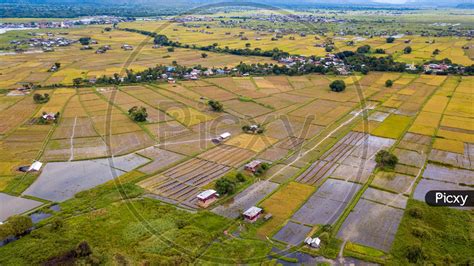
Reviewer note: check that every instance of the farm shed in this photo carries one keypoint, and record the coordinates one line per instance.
(253, 166)
(252, 214)
(206, 198)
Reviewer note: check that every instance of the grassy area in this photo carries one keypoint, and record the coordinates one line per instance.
(392, 127)
(282, 204)
(141, 230)
(434, 235)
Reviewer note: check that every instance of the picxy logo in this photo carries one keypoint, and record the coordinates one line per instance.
(451, 198)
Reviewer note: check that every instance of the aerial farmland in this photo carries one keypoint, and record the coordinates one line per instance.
(173, 147)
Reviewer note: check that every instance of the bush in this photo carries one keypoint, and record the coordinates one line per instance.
(15, 226)
(38, 98)
(388, 83)
(170, 49)
(363, 49)
(414, 254)
(337, 86)
(240, 177)
(203, 55)
(420, 233)
(216, 105)
(407, 50)
(379, 51)
(85, 40)
(390, 39)
(416, 212)
(225, 186)
(138, 114)
(385, 160)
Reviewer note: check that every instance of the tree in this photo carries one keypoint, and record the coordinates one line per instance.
(390, 39)
(240, 177)
(57, 65)
(379, 51)
(216, 105)
(225, 186)
(85, 40)
(170, 49)
(203, 55)
(247, 45)
(436, 52)
(337, 85)
(138, 114)
(388, 83)
(107, 28)
(329, 48)
(363, 49)
(38, 98)
(407, 50)
(77, 81)
(385, 159)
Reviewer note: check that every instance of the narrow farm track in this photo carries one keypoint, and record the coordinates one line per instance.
(72, 139)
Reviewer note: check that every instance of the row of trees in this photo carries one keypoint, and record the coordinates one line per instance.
(160, 39)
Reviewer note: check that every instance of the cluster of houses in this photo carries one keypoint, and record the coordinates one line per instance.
(103, 49)
(67, 23)
(45, 43)
(436, 68)
(328, 61)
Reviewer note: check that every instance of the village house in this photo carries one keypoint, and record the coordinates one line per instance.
(252, 214)
(252, 166)
(313, 242)
(206, 198)
(127, 47)
(49, 116)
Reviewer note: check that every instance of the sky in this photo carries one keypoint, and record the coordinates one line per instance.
(391, 1)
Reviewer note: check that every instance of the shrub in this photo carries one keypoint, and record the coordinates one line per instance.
(203, 55)
(416, 212)
(390, 39)
(407, 50)
(138, 114)
(436, 52)
(15, 226)
(329, 48)
(85, 40)
(385, 159)
(38, 98)
(337, 86)
(170, 49)
(240, 177)
(216, 105)
(420, 233)
(414, 253)
(225, 186)
(363, 49)
(388, 83)
(379, 51)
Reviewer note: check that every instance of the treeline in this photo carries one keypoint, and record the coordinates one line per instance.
(160, 39)
(361, 62)
(57, 10)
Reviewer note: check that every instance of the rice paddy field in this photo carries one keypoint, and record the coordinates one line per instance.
(208, 33)
(318, 143)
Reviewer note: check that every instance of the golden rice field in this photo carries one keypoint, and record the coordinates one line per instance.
(450, 47)
(33, 67)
